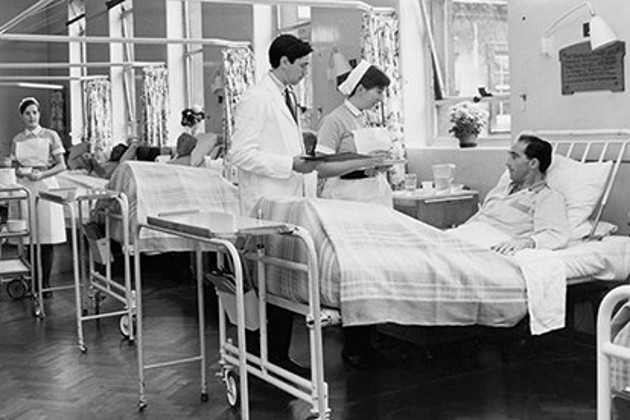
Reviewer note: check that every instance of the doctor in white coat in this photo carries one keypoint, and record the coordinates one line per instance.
(267, 149)
(267, 142)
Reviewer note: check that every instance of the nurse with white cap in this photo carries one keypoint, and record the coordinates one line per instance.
(345, 129)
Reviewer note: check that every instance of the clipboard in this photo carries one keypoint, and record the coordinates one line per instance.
(338, 157)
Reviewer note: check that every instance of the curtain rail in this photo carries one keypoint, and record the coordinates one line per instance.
(112, 40)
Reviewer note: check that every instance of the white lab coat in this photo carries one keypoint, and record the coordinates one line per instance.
(265, 140)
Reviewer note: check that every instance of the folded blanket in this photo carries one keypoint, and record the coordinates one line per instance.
(154, 188)
(378, 265)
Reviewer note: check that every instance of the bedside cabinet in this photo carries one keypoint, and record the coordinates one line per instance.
(442, 210)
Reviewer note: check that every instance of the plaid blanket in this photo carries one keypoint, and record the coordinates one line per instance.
(378, 265)
(154, 188)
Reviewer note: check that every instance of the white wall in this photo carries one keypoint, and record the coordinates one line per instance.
(538, 76)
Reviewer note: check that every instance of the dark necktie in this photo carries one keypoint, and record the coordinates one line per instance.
(289, 99)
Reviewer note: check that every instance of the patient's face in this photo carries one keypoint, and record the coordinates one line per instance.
(518, 163)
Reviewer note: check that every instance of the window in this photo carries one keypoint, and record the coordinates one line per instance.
(471, 44)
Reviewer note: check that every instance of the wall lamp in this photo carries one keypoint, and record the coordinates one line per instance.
(600, 33)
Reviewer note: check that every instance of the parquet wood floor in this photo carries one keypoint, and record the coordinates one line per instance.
(43, 375)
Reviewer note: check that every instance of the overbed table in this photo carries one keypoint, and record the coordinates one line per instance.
(218, 232)
(74, 199)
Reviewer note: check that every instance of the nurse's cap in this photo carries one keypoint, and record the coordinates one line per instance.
(337, 66)
(354, 78)
(29, 100)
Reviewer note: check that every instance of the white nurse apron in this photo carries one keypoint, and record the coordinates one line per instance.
(33, 152)
(375, 189)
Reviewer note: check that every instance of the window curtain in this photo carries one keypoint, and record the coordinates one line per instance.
(155, 105)
(57, 120)
(238, 76)
(381, 47)
(98, 127)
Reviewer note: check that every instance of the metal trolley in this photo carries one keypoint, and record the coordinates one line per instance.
(17, 269)
(219, 232)
(76, 201)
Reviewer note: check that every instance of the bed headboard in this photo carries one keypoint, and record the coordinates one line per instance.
(589, 146)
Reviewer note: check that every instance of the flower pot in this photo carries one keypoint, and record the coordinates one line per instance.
(469, 140)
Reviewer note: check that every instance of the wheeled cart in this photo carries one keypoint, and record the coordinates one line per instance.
(78, 202)
(17, 268)
(219, 232)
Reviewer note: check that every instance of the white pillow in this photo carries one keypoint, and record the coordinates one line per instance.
(205, 144)
(581, 185)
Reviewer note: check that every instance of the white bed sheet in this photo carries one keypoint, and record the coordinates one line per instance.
(608, 259)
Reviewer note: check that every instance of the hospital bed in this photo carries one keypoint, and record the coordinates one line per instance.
(376, 265)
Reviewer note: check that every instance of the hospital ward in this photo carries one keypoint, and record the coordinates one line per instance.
(314, 209)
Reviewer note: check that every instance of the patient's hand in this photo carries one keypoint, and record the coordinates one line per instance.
(512, 246)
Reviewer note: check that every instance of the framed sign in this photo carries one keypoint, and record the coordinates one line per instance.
(583, 69)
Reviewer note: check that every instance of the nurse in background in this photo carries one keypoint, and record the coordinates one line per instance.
(37, 154)
(345, 130)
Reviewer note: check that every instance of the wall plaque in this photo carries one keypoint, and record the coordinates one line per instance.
(585, 70)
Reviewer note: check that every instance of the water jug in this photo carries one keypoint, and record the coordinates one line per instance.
(443, 176)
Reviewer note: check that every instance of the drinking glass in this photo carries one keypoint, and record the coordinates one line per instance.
(411, 182)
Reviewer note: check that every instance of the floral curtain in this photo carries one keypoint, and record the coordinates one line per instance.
(381, 47)
(155, 105)
(57, 120)
(238, 76)
(98, 127)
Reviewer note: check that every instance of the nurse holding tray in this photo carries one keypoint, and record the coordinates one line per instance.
(352, 154)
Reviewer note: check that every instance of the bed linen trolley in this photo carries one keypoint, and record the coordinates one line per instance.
(76, 201)
(17, 269)
(219, 232)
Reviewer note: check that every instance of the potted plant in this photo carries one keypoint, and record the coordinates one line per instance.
(468, 120)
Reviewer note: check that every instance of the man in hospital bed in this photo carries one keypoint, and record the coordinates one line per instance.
(524, 213)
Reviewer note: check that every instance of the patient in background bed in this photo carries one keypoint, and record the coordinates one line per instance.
(120, 153)
(525, 213)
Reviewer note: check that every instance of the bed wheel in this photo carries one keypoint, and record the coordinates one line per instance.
(204, 397)
(232, 389)
(16, 289)
(123, 325)
(83, 348)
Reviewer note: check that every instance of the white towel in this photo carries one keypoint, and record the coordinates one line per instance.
(545, 277)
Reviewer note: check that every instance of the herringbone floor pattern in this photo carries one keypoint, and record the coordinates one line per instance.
(43, 375)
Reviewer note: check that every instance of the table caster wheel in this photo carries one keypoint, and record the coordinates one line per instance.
(16, 289)
(232, 389)
(123, 325)
(204, 397)
(83, 348)
(141, 406)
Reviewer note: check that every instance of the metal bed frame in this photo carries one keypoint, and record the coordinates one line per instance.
(606, 349)
(75, 200)
(219, 231)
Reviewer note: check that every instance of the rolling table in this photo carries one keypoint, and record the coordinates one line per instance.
(218, 232)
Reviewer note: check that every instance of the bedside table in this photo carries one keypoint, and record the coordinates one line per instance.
(440, 209)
